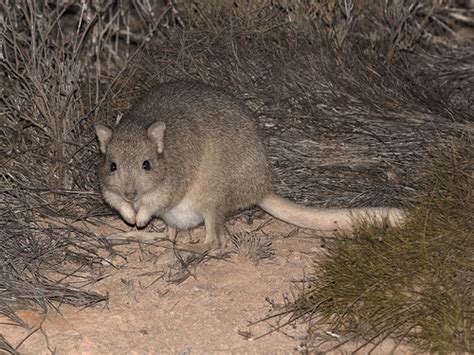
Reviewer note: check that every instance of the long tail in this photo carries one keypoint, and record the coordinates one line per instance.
(327, 220)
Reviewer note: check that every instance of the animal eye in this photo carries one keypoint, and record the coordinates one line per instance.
(113, 166)
(147, 165)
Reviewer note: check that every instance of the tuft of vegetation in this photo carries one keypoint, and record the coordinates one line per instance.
(252, 247)
(412, 283)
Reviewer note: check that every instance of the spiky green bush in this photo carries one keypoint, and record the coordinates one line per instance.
(413, 282)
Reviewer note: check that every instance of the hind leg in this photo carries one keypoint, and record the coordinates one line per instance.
(215, 231)
(215, 236)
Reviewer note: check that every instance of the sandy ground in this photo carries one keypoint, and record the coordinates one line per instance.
(210, 312)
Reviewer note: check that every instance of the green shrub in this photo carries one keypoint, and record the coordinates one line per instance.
(412, 282)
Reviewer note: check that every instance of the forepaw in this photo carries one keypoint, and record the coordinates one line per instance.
(143, 217)
(128, 213)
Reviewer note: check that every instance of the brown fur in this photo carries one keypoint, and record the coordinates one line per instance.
(208, 162)
(212, 155)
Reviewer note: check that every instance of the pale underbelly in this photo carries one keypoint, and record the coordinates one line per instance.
(184, 215)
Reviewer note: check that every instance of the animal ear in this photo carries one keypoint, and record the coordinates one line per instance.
(104, 134)
(156, 132)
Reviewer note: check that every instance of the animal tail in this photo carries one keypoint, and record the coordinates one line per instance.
(328, 220)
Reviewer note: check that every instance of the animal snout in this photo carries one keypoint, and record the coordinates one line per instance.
(130, 195)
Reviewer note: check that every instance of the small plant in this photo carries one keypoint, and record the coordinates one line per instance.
(252, 247)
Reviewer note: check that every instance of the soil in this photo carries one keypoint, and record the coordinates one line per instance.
(214, 310)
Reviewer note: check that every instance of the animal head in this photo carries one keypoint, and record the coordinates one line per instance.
(133, 164)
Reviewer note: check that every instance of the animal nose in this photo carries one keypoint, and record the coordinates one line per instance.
(130, 195)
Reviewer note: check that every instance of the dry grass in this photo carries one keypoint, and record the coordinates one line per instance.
(349, 96)
(57, 61)
(338, 119)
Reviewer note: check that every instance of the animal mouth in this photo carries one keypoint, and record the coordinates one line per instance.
(131, 196)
